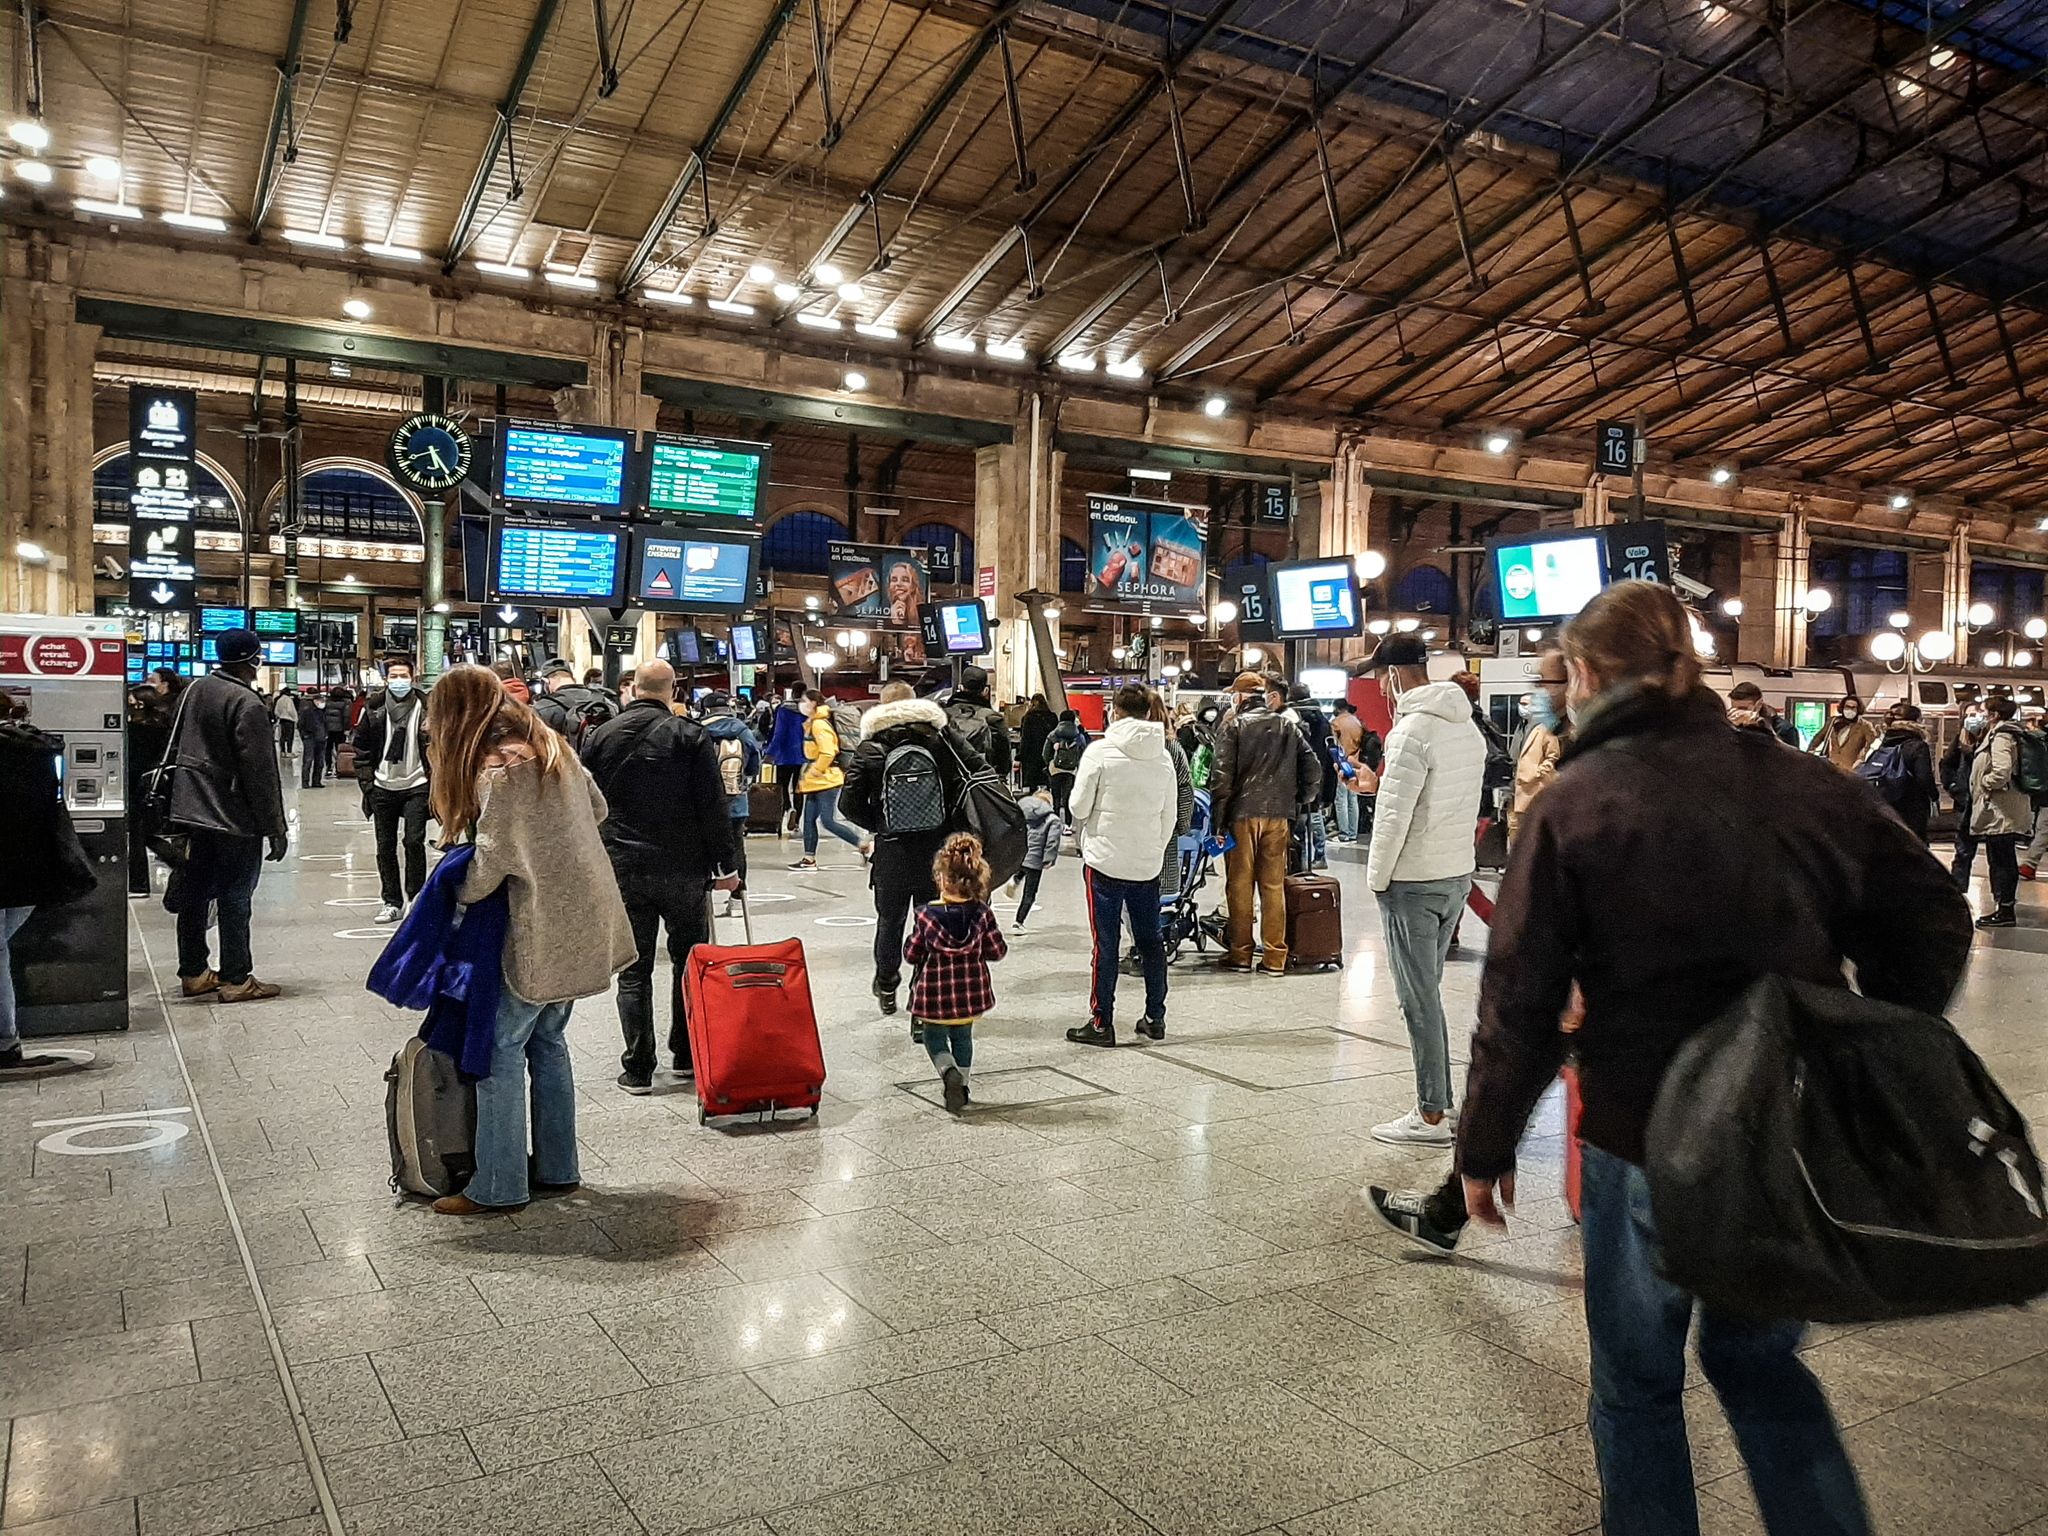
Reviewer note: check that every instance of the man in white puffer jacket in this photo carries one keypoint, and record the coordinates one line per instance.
(1125, 805)
(1421, 863)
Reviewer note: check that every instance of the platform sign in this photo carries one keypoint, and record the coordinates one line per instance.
(707, 477)
(1638, 552)
(1244, 583)
(1615, 451)
(163, 459)
(1276, 504)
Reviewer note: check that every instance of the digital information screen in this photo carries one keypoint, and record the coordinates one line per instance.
(213, 620)
(1549, 578)
(963, 628)
(275, 623)
(562, 467)
(706, 477)
(280, 653)
(746, 644)
(688, 647)
(1315, 599)
(685, 571)
(543, 563)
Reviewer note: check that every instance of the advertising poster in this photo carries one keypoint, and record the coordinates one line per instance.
(877, 586)
(1146, 552)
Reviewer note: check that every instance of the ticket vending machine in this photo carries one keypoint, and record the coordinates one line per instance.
(70, 962)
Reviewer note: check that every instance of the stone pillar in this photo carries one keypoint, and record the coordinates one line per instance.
(1794, 565)
(46, 360)
(1334, 519)
(1955, 588)
(1759, 638)
(1017, 532)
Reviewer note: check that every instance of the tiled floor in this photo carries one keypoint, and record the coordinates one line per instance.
(1131, 1292)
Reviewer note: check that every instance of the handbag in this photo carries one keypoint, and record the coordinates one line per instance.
(985, 807)
(153, 812)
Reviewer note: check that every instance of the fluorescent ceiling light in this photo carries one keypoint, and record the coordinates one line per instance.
(1152, 474)
(788, 293)
(879, 332)
(107, 210)
(674, 296)
(29, 133)
(319, 239)
(729, 306)
(1127, 368)
(1078, 362)
(1008, 351)
(816, 321)
(396, 252)
(202, 221)
(954, 341)
(574, 280)
(103, 168)
(504, 269)
(827, 275)
(37, 171)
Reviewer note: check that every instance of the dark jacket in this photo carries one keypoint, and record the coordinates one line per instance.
(1062, 733)
(904, 861)
(1674, 862)
(455, 971)
(312, 718)
(659, 775)
(336, 708)
(1263, 767)
(1955, 770)
(373, 735)
(227, 777)
(969, 712)
(1916, 805)
(41, 862)
(1315, 730)
(562, 708)
(1781, 727)
(786, 738)
(1038, 723)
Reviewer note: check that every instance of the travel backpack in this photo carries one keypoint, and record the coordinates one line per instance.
(1885, 771)
(2033, 774)
(846, 726)
(976, 725)
(587, 717)
(732, 764)
(1066, 753)
(913, 797)
(430, 1117)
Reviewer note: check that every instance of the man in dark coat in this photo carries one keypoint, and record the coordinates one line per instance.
(41, 862)
(1038, 723)
(670, 842)
(978, 721)
(226, 795)
(391, 771)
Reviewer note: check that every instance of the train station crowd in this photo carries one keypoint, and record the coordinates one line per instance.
(1668, 851)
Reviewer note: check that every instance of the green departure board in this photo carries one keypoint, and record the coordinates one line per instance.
(706, 477)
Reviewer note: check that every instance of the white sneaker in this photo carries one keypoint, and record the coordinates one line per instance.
(1412, 1130)
(1016, 928)
(389, 914)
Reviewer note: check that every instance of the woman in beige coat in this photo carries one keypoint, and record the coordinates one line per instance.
(2001, 813)
(505, 781)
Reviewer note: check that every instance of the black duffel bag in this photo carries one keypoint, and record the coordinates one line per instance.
(1818, 1155)
(984, 806)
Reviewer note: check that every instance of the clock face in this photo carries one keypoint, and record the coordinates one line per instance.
(430, 452)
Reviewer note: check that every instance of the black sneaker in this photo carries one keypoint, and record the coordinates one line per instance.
(1151, 1029)
(684, 1067)
(956, 1090)
(886, 1001)
(633, 1082)
(1403, 1211)
(1093, 1034)
(13, 1060)
(2002, 918)
(917, 1031)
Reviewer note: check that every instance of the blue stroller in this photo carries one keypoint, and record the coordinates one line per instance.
(1180, 919)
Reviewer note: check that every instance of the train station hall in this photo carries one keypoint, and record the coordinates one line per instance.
(1023, 767)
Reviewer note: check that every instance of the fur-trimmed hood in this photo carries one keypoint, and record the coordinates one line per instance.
(902, 712)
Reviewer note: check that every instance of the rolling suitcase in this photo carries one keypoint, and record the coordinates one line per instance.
(753, 1031)
(764, 808)
(1315, 912)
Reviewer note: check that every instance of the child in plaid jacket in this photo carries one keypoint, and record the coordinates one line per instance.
(951, 945)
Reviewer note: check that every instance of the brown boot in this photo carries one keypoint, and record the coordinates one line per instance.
(462, 1205)
(250, 991)
(199, 986)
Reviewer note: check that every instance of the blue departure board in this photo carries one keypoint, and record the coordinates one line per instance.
(556, 466)
(542, 563)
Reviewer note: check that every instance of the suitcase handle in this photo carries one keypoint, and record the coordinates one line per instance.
(711, 913)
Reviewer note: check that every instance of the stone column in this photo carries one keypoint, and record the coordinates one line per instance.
(1333, 520)
(46, 360)
(1017, 532)
(1794, 565)
(1759, 638)
(1955, 588)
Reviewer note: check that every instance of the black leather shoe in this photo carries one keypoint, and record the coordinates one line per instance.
(1152, 1029)
(1092, 1034)
(2002, 918)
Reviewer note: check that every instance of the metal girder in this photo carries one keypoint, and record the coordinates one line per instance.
(1127, 451)
(267, 171)
(700, 156)
(501, 133)
(312, 343)
(731, 400)
(1020, 232)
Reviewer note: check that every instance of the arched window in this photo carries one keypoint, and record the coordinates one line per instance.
(1073, 565)
(220, 499)
(1424, 589)
(352, 499)
(795, 542)
(1868, 586)
(951, 550)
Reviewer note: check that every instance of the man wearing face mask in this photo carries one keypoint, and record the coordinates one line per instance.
(391, 768)
(1536, 763)
(1955, 778)
(1847, 737)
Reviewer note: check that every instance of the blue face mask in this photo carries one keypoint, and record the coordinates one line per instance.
(1543, 711)
(399, 687)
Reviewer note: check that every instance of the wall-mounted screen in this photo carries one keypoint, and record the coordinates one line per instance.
(1314, 599)
(689, 572)
(956, 628)
(707, 478)
(277, 623)
(685, 648)
(280, 653)
(746, 643)
(572, 564)
(547, 464)
(1550, 576)
(213, 620)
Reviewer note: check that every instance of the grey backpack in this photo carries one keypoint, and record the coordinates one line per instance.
(913, 795)
(846, 726)
(430, 1114)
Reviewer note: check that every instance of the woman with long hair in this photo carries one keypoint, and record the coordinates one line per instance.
(505, 782)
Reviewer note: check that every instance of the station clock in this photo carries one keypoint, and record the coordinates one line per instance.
(430, 451)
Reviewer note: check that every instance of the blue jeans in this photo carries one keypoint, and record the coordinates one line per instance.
(1108, 900)
(529, 1040)
(11, 919)
(949, 1045)
(1637, 1322)
(1319, 837)
(1420, 918)
(821, 808)
(1347, 814)
(225, 869)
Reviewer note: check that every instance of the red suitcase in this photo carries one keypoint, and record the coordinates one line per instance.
(1573, 1162)
(753, 1031)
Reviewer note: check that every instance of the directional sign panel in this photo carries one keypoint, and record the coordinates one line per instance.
(162, 498)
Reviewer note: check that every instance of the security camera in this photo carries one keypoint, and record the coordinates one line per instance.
(1698, 591)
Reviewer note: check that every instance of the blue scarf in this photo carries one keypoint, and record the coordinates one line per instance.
(449, 960)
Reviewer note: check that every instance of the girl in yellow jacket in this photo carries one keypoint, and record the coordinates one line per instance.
(821, 781)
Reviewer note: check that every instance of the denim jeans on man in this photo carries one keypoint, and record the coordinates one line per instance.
(391, 810)
(1420, 918)
(11, 919)
(529, 1040)
(1108, 900)
(1347, 815)
(682, 907)
(1637, 1323)
(821, 808)
(223, 870)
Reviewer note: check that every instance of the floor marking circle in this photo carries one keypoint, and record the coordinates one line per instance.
(158, 1130)
(384, 932)
(352, 874)
(321, 858)
(768, 898)
(844, 922)
(355, 901)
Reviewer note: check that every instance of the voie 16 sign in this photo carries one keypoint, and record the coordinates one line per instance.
(162, 498)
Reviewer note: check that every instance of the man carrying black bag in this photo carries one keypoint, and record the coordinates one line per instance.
(1673, 863)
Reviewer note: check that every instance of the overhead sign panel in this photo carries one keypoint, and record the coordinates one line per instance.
(706, 477)
(163, 459)
(1147, 554)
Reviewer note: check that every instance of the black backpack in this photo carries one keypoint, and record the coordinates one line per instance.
(1066, 753)
(1885, 771)
(587, 717)
(913, 792)
(975, 723)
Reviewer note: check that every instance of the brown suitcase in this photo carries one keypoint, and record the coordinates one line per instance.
(1315, 923)
(764, 808)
